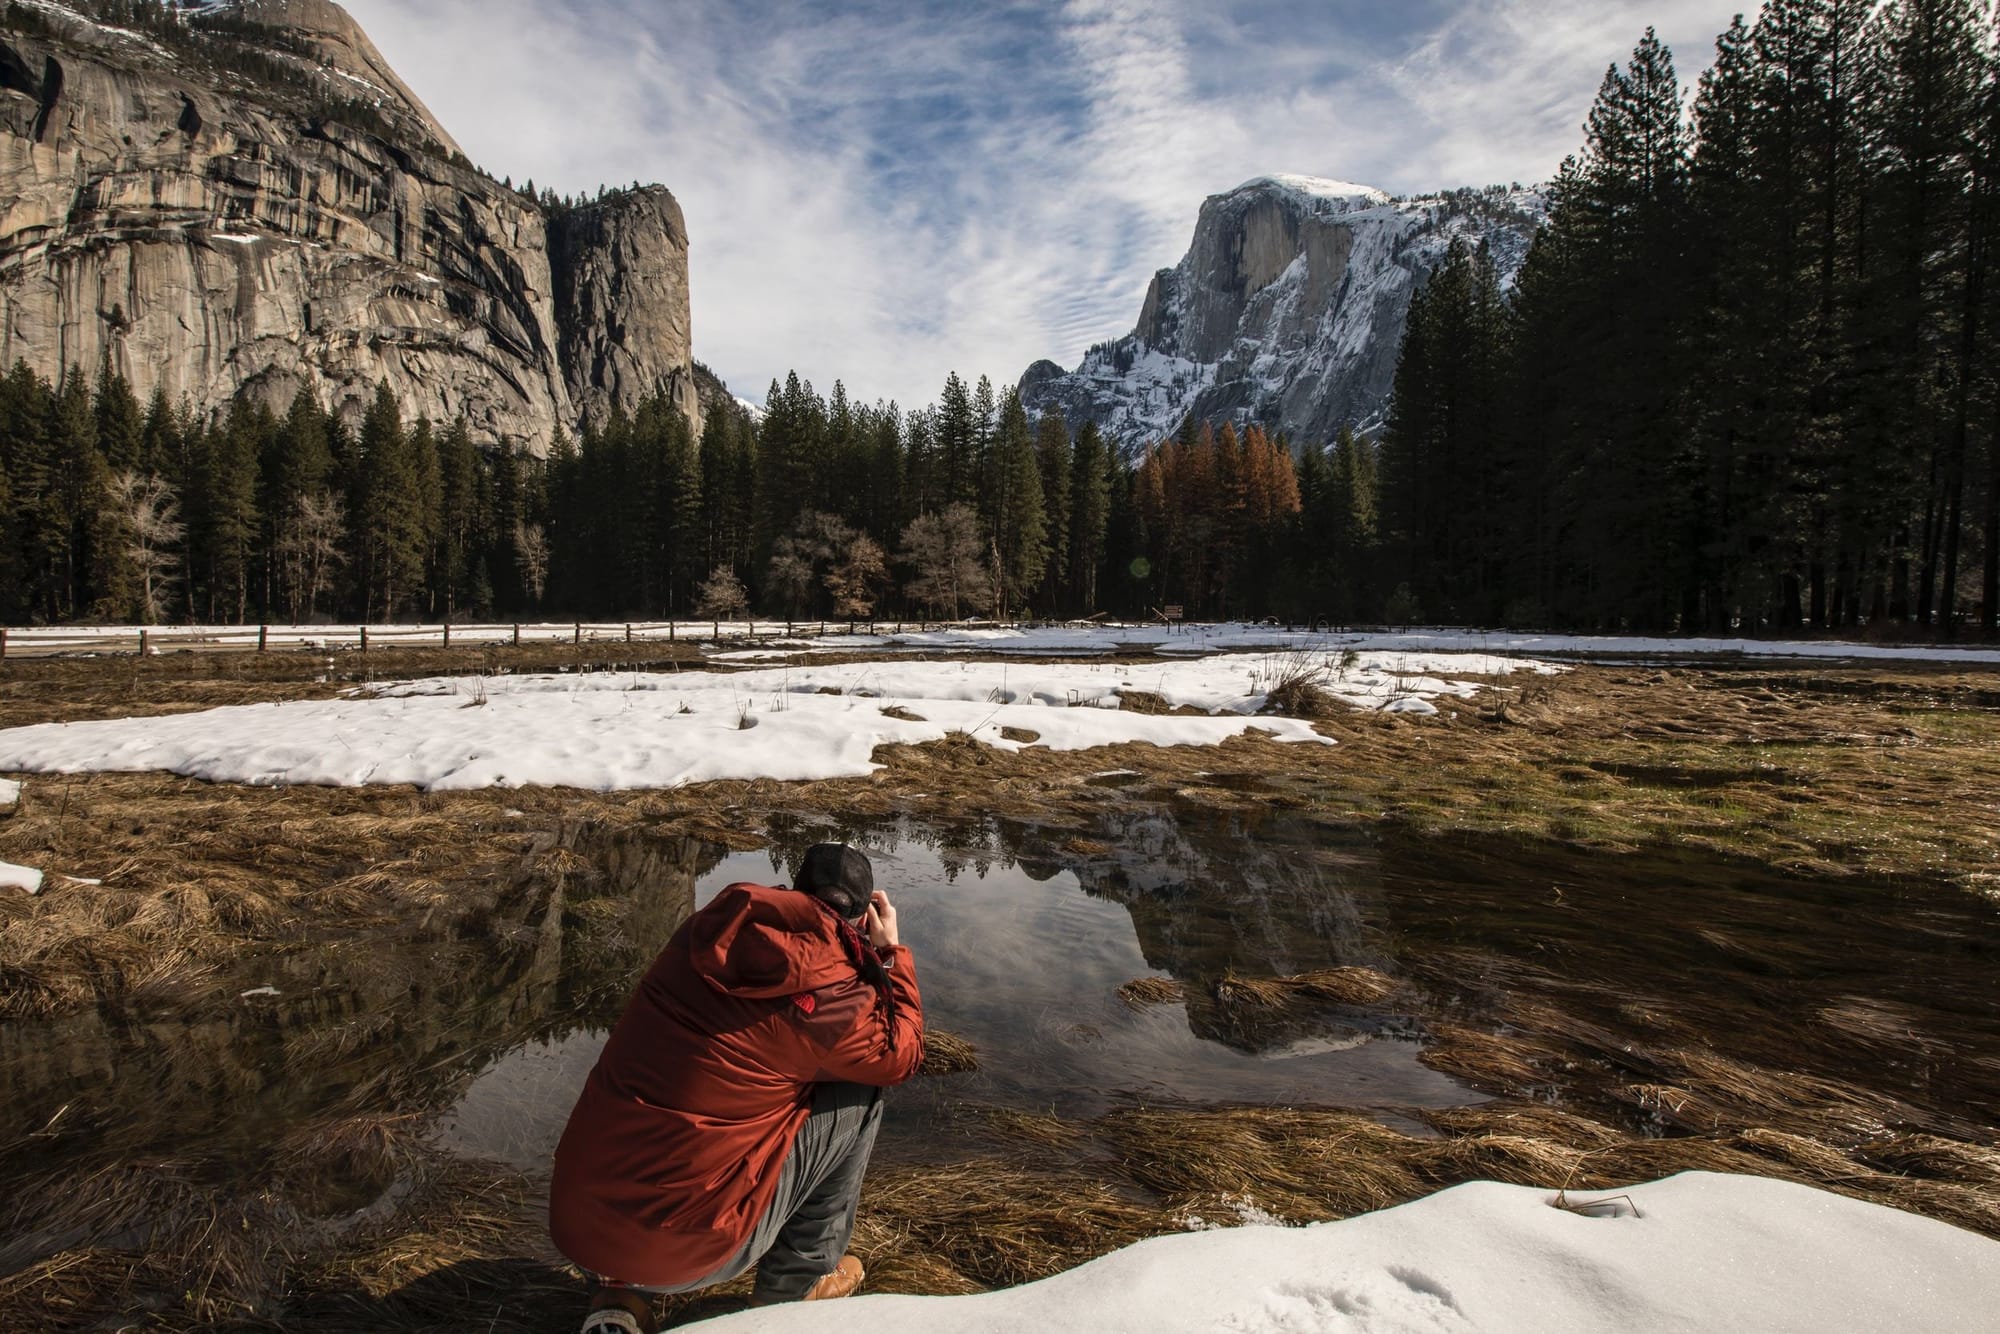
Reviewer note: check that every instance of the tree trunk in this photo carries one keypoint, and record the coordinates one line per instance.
(1989, 598)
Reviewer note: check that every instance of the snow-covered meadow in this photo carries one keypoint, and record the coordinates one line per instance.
(606, 731)
(1697, 1252)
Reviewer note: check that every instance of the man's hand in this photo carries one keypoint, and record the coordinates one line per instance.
(881, 921)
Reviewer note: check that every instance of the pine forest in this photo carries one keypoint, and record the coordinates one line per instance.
(1746, 381)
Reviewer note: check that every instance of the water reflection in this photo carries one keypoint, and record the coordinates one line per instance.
(351, 1027)
(1024, 933)
(1023, 937)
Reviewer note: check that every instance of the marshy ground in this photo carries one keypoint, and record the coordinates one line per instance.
(287, 1064)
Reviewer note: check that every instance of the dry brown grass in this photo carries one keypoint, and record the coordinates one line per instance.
(947, 1054)
(1840, 771)
(1342, 986)
(988, 1224)
(1143, 991)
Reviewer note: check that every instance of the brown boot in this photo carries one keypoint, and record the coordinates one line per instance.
(842, 1282)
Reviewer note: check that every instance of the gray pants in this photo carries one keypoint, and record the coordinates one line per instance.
(802, 1236)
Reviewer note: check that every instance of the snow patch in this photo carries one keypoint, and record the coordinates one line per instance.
(612, 731)
(10, 793)
(20, 877)
(1704, 1251)
(1314, 187)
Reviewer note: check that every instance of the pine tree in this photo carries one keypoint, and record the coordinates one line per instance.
(121, 426)
(1925, 300)
(1983, 245)
(983, 473)
(886, 508)
(10, 582)
(389, 520)
(297, 462)
(1020, 527)
(33, 540)
(680, 509)
(461, 525)
(76, 481)
(229, 519)
(1090, 513)
(1054, 456)
(424, 461)
(955, 442)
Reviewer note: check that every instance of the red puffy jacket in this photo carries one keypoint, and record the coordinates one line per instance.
(671, 1155)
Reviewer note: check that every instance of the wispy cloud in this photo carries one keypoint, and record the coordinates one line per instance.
(881, 191)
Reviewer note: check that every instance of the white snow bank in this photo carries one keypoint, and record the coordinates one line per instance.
(1703, 1252)
(20, 877)
(607, 731)
(10, 792)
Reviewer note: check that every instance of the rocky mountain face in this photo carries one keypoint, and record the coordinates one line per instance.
(253, 201)
(1287, 311)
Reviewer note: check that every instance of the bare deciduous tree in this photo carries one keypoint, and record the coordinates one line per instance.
(798, 558)
(310, 549)
(722, 595)
(146, 513)
(789, 576)
(945, 554)
(860, 574)
(531, 551)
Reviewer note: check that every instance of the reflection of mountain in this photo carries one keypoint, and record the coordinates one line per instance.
(358, 1027)
(1210, 893)
(1258, 895)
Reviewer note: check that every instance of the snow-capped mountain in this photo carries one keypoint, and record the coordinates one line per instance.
(1288, 309)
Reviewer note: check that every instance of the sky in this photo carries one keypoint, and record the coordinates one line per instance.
(884, 191)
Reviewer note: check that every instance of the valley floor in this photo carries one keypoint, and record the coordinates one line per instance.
(1737, 917)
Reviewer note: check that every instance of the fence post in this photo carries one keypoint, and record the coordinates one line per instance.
(142, 643)
(263, 635)
(364, 639)
(628, 632)
(670, 633)
(447, 634)
(577, 638)
(517, 634)
(3, 643)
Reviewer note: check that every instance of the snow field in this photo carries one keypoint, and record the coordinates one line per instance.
(1698, 1252)
(608, 731)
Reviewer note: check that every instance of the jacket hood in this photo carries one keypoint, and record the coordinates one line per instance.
(759, 942)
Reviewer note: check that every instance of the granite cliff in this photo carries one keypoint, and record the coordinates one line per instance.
(250, 200)
(1287, 311)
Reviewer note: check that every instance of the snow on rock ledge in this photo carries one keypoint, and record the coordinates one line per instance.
(1703, 1252)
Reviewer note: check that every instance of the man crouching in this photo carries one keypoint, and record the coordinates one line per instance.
(729, 1119)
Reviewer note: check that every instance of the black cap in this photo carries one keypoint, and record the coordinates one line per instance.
(838, 876)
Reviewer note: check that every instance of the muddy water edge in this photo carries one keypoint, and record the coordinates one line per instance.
(292, 1064)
